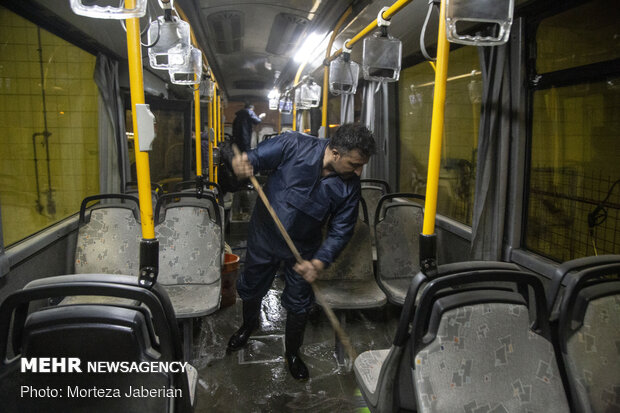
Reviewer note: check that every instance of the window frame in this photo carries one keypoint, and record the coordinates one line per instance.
(35, 242)
(533, 81)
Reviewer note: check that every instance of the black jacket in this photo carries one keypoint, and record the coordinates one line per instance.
(242, 128)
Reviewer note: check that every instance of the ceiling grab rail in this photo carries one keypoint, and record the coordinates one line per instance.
(386, 15)
(297, 82)
(428, 238)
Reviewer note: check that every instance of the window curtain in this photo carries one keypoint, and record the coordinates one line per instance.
(492, 171)
(347, 109)
(375, 116)
(113, 151)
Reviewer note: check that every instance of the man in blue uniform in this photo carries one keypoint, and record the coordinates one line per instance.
(245, 119)
(314, 182)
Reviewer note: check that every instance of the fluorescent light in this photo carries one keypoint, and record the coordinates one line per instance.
(314, 44)
(273, 94)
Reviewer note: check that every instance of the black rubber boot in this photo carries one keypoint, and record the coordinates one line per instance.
(293, 339)
(251, 312)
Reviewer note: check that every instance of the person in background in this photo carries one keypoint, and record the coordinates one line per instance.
(314, 182)
(204, 149)
(245, 119)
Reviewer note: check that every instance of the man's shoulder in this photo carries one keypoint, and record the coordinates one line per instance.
(303, 138)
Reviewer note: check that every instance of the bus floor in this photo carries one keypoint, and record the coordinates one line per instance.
(256, 378)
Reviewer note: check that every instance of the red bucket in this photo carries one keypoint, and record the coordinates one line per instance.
(230, 272)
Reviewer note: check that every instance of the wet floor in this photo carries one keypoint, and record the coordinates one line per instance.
(256, 379)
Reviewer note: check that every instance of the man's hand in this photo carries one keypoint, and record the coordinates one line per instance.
(242, 166)
(262, 115)
(309, 269)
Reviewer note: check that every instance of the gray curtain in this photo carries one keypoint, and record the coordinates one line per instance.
(492, 171)
(347, 109)
(113, 151)
(376, 118)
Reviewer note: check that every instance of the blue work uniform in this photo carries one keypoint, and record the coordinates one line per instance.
(244, 120)
(304, 201)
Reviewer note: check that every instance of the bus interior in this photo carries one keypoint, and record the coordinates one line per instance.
(483, 271)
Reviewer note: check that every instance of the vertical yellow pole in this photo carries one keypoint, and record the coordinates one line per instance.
(325, 100)
(197, 129)
(221, 120)
(136, 82)
(434, 156)
(216, 109)
(210, 125)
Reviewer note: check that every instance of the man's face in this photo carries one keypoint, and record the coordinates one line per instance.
(349, 164)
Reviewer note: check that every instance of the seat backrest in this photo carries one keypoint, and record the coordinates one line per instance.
(108, 236)
(135, 335)
(131, 188)
(397, 229)
(355, 260)
(201, 185)
(372, 191)
(483, 347)
(587, 318)
(190, 241)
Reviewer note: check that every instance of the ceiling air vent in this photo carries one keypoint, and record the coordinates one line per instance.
(226, 29)
(249, 84)
(285, 32)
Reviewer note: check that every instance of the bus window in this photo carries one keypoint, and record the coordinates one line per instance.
(580, 36)
(49, 156)
(575, 156)
(462, 116)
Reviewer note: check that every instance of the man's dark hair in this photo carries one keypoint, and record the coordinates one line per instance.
(353, 136)
(248, 105)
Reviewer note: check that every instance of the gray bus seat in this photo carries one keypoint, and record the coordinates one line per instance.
(456, 346)
(384, 376)
(108, 240)
(190, 256)
(349, 282)
(397, 229)
(587, 320)
(92, 333)
(372, 191)
(109, 236)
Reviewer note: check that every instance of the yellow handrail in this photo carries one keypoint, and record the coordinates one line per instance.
(210, 125)
(326, 68)
(221, 120)
(136, 83)
(391, 11)
(439, 99)
(197, 129)
(215, 127)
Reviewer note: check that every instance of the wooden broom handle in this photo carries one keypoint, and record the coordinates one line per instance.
(344, 338)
